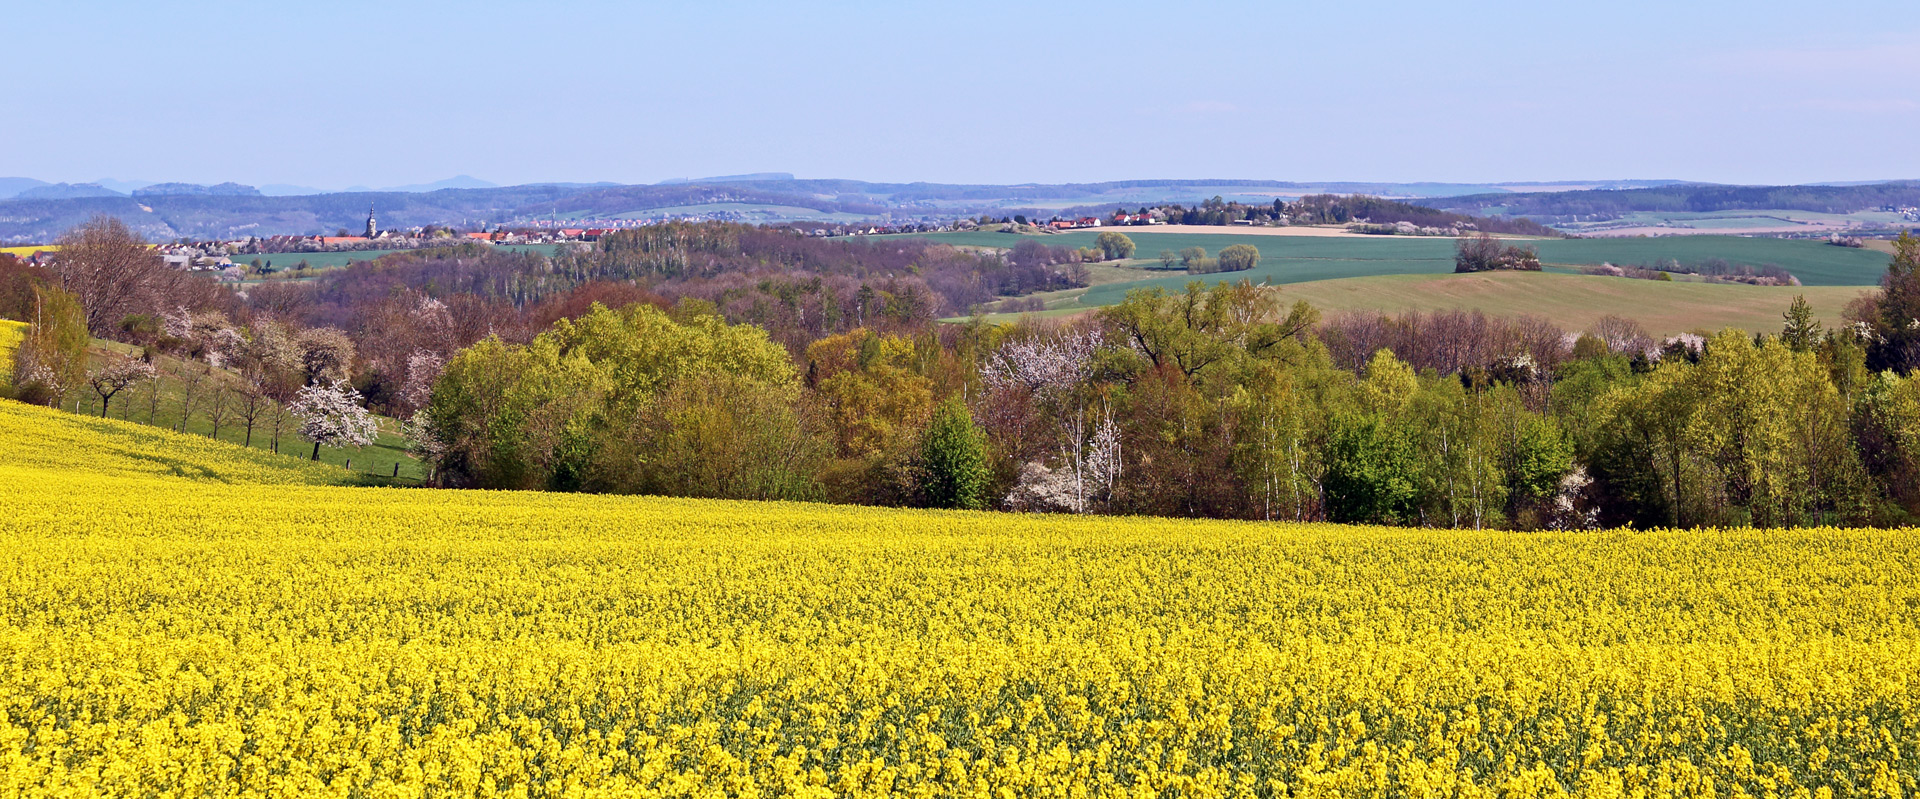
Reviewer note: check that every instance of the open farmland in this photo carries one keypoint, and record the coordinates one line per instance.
(182, 617)
(1576, 302)
(1573, 302)
(1285, 259)
(333, 260)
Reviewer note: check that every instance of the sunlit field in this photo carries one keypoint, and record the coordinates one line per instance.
(183, 617)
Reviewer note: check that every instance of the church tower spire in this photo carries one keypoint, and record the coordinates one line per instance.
(372, 230)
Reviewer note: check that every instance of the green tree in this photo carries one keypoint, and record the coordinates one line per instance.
(1454, 439)
(1280, 424)
(720, 435)
(1239, 258)
(51, 359)
(1638, 448)
(1203, 326)
(589, 405)
(1896, 317)
(1115, 246)
(1192, 255)
(1373, 469)
(1535, 455)
(953, 459)
(1168, 258)
(1371, 472)
(1801, 332)
(1770, 428)
(1390, 384)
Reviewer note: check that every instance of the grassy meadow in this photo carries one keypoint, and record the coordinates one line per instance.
(159, 403)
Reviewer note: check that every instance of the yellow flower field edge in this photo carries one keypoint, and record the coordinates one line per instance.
(167, 634)
(47, 438)
(11, 333)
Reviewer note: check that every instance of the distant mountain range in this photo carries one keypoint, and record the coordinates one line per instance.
(108, 187)
(37, 211)
(68, 191)
(195, 189)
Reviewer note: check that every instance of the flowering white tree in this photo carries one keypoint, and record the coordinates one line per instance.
(1052, 369)
(423, 441)
(115, 377)
(331, 415)
(1042, 364)
(423, 368)
(209, 334)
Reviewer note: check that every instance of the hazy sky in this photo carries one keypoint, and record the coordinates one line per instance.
(337, 93)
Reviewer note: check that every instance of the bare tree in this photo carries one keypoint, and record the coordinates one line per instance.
(116, 377)
(220, 405)
(326, 355)
(277, 419)
(110, 269)
(281, 299)
(250, 404)
(193, 382)
(1623, 336)
(151, 398)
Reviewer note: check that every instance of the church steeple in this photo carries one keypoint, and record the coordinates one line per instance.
(372, 230)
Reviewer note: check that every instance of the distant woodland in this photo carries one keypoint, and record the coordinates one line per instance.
(1553, 206)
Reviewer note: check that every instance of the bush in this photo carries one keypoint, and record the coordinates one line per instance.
(1115, 246)
(1239, 258)
(953, 459)
(1484, 253)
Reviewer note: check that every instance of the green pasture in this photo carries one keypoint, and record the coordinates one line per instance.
(283, 261)
(376, 460)
(1297, 259)
(1572, 301)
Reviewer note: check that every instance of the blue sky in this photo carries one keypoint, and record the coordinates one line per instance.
(334, 94)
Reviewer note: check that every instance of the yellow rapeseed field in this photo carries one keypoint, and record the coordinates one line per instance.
(184, 619)
(11, 333)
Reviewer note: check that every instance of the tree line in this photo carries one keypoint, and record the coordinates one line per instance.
(1608, 204)
(692, 374)
(1338, 209)
(1215, 402)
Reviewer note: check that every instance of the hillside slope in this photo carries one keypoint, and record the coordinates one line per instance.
(45, 439)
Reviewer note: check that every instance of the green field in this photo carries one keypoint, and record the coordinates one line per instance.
(1298, 259)
(1744, 218)
(332, 260)
(1571, 301)
(1575, 302)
